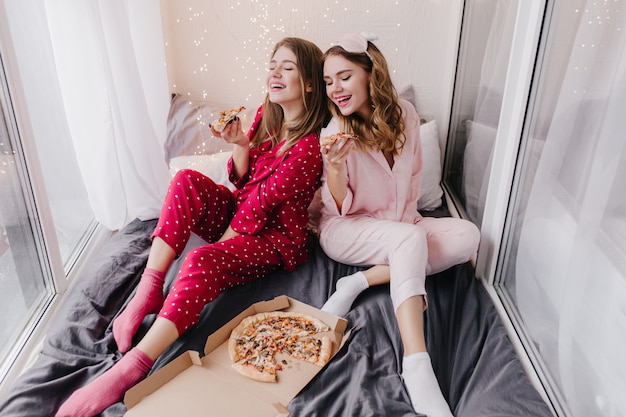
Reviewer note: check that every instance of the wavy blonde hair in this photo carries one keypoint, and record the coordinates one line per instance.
(387, 123)
(315, 113)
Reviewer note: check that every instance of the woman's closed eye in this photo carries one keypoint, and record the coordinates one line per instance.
(343, 76)
(281, 67)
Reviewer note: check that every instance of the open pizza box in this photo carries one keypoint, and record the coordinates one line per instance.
(194, 386)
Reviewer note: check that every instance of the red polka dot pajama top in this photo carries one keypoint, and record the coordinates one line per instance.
(268, 208)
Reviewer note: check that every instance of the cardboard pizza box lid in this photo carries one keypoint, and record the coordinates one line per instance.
(194, 386)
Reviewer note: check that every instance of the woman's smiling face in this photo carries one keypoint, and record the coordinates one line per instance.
(283, 78)
(347, 85)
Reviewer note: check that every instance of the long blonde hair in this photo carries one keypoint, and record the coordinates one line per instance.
(386, 124)
(315, 113)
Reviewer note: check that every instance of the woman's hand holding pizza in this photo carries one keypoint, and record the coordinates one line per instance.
(228, 127)
(232, 133)
(337, 147)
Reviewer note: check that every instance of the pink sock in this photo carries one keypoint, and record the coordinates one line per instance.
(147, 300)
(108, 388)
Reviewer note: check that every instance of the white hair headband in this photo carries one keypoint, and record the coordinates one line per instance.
(356, 43)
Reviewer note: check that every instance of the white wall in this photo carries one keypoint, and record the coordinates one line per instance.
(218, 50)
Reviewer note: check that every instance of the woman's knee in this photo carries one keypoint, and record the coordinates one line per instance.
(182, 178)
(470, 237)
(451, 241)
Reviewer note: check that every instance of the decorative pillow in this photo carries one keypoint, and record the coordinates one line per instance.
(408, 94)
(188, 131)
(213, 166)
(431, 193)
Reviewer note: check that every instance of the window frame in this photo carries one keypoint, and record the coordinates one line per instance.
(526, 50)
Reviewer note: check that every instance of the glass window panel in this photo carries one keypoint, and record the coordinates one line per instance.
(23, 287)
(483, 61)
(563, 269)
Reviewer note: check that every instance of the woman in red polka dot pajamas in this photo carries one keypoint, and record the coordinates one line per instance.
(259, 227)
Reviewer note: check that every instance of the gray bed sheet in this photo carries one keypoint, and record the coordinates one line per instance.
(473, 358)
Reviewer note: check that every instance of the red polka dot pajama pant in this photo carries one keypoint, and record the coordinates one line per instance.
(194, 203)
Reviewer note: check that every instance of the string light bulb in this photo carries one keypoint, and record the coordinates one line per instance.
(253, 28)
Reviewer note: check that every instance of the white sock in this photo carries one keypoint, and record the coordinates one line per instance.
(348, 289)
(420, 381)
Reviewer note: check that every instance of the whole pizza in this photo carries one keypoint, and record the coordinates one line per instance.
(254, 343)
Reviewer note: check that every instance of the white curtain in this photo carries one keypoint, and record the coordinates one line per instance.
(101, 50)
(571, 261)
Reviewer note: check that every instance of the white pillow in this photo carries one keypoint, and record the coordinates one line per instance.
(431, 193)
(213, 166)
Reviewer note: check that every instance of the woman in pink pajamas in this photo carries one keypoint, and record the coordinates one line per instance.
(276, 169)
(370, 188)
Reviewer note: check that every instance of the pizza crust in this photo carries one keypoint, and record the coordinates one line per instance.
(253, 373)
(325, 352)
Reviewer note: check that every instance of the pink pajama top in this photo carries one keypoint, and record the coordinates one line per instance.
(374, 189)
(272, 198)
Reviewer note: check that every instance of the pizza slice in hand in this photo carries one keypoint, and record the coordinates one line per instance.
(225, 117)
(330, 139)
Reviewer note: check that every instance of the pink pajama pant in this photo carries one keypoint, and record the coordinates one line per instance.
(412, 251)
(194, 203)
